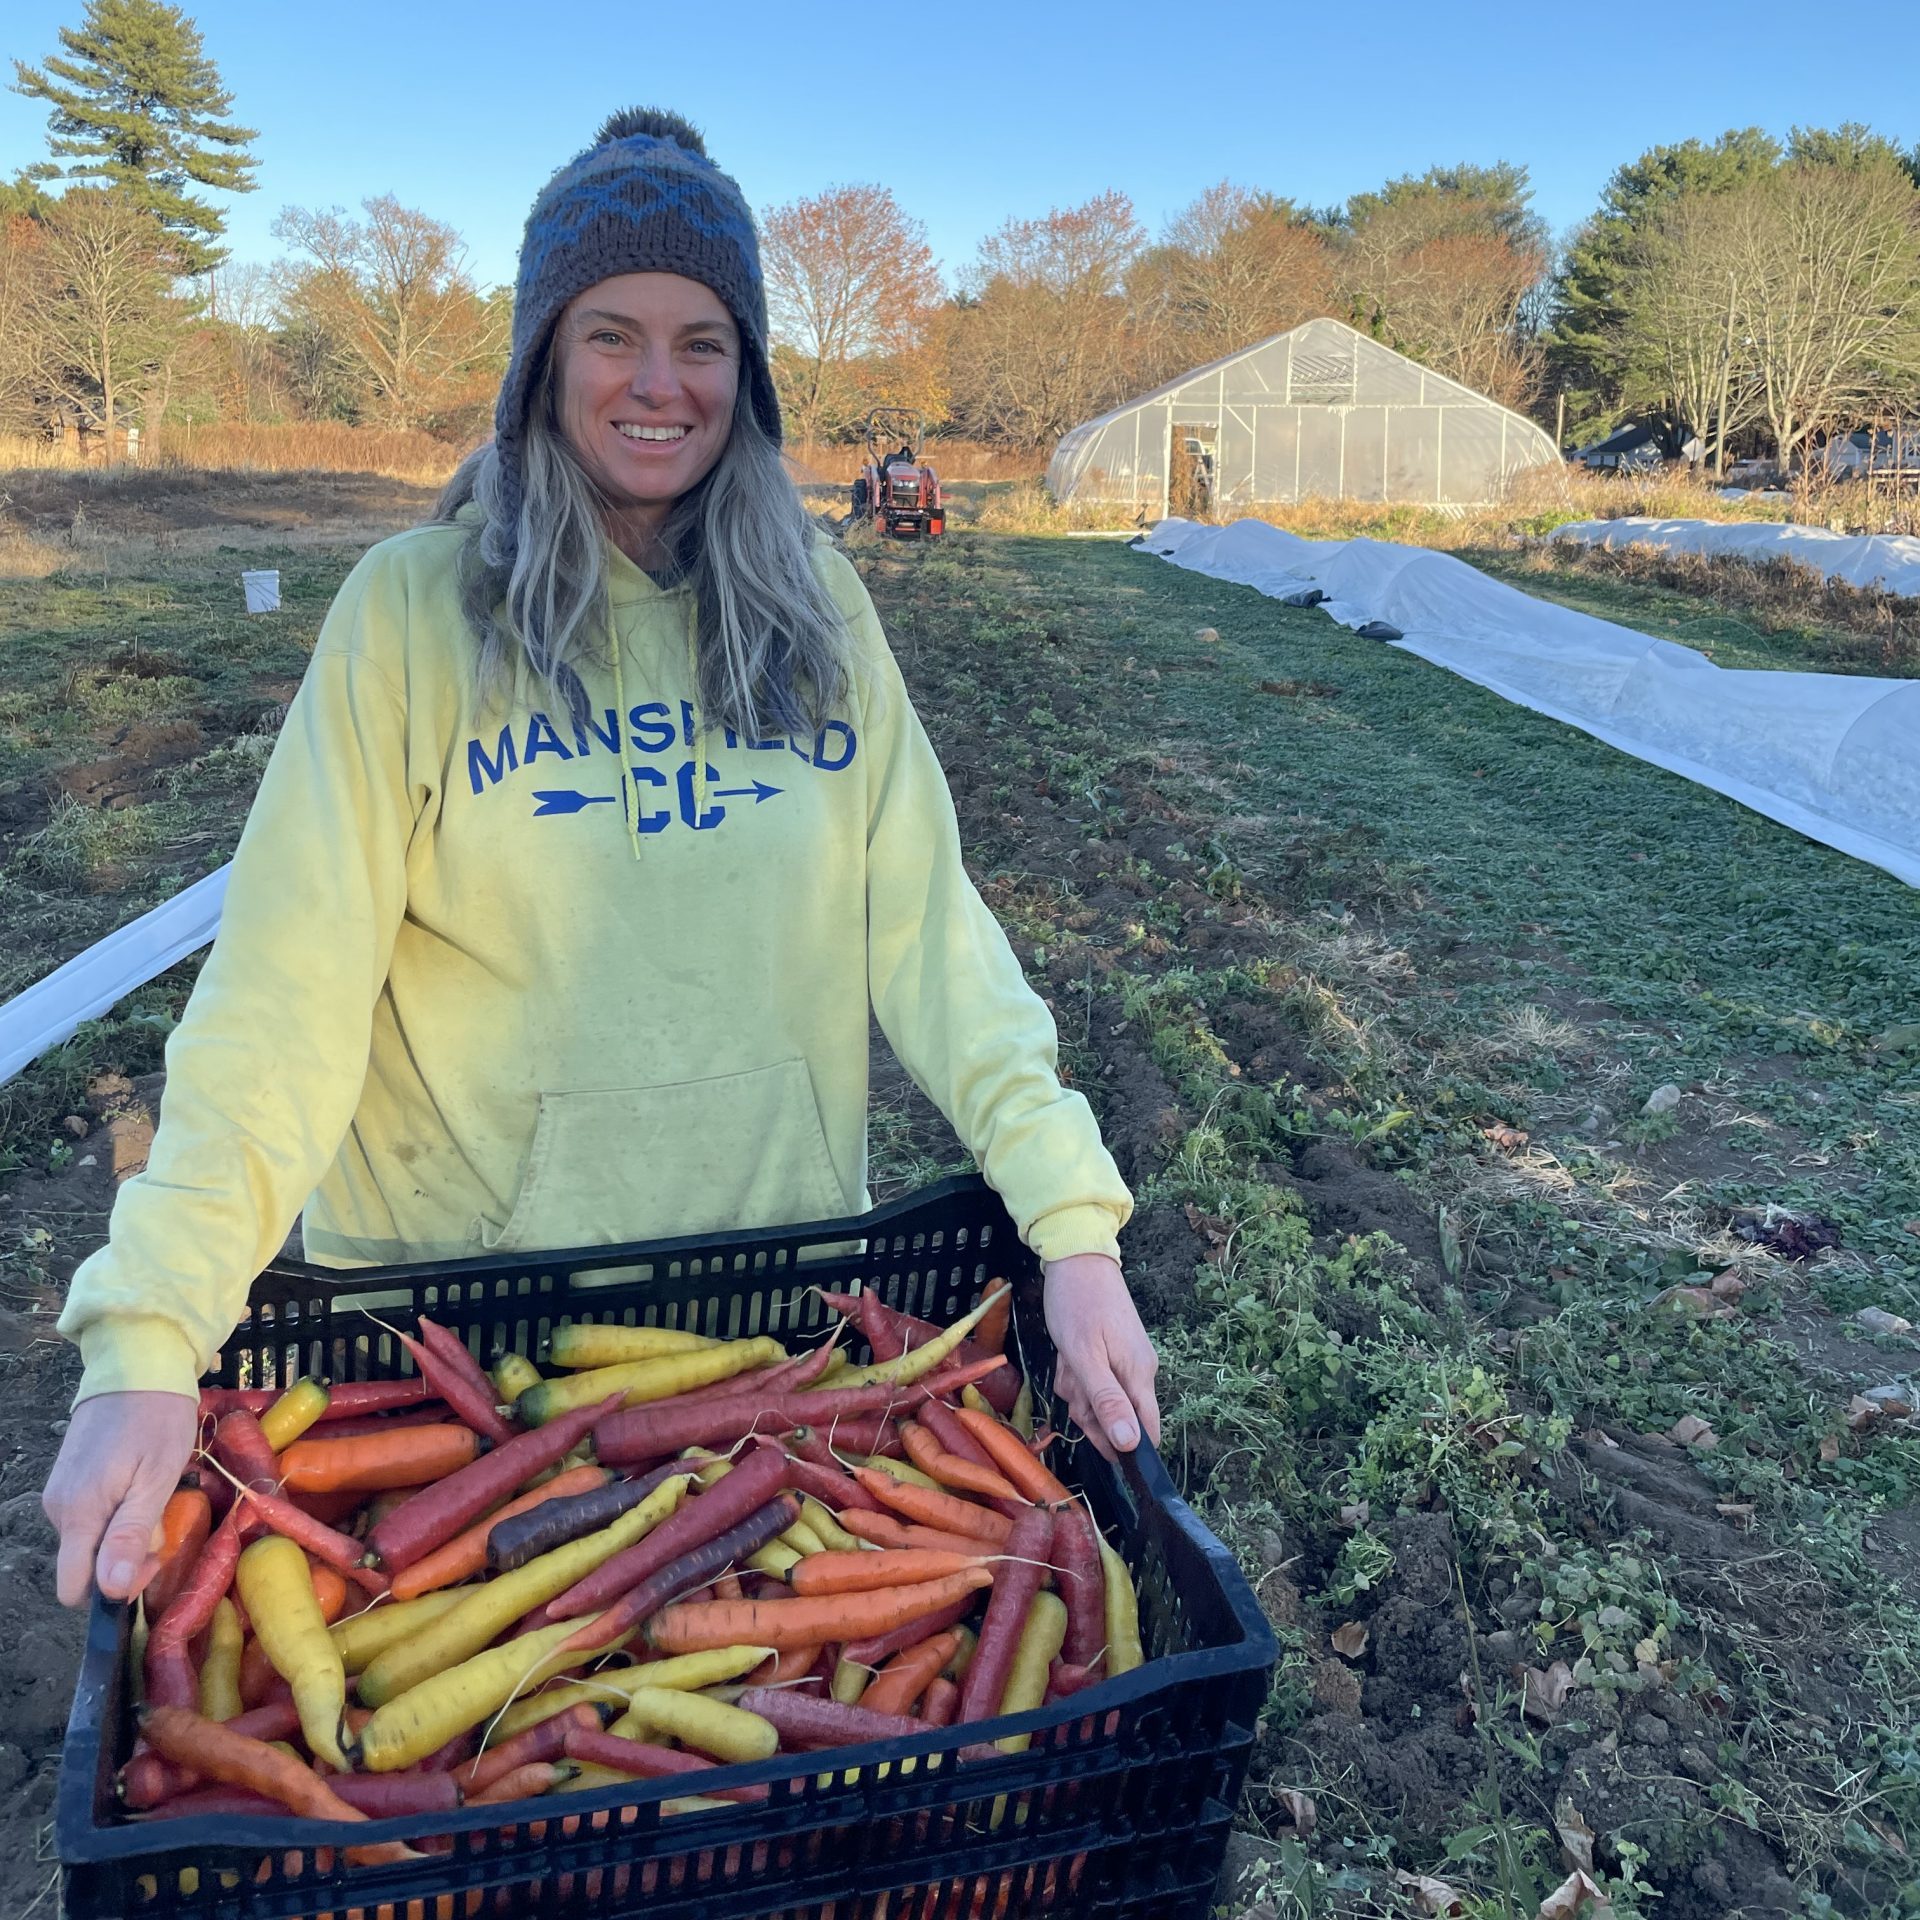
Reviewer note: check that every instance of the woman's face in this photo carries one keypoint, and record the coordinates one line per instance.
(648, 366)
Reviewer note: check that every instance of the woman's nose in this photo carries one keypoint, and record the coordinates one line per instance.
(653, 378)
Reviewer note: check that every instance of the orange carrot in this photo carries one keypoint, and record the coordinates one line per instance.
(330, 1589)
(928, 1507)
(695, 1626)
(823, 1573)
(371, 1461)
(781, 1669)
(728, 1587)
(219, 1753)
(1010, 1455)
(909, 1673)
(523, 1783)
(465, 1555)
(950, 1469)
(184, 1525)
(883, 1530)
(990, 1336)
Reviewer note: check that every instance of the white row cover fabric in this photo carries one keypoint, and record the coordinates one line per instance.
(87, 985)
(1890, 561)
(1318, 412)
(1830, 755)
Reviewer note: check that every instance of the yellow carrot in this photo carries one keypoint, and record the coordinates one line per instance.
(643, 1380)
(420, 1721)
(364, 1635)
(512, 1375)
(917, 1362)
(220, 1670)
(293, 1413)
(1021, 1418)
(802, 1539)
(1123, 1614)
(683, 1673)
(775, 1558)
(1038, 1647)
(594, 1343)
(725, 1733)
(901, 1470)
(276, 1588)
(826, 1529)
(485, 1612)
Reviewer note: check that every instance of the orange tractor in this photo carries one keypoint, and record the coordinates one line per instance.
(898, 491)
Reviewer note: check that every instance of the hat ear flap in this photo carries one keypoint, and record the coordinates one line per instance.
(656, 123)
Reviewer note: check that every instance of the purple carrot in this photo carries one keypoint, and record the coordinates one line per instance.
(455, 1375)
(639, 1434)
(889, 1332)
(827, 1484)
(698, 1519)
(693, 1569)
(1075, 1555)
(807, 1721)
(1017, 1579)
(435, 1514)
(526, 1536)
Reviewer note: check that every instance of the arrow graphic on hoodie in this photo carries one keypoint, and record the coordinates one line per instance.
(565, 801)
(758, 791)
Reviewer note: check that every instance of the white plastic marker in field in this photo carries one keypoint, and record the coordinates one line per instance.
(91, 982)
(263, 590)
(1830, 755)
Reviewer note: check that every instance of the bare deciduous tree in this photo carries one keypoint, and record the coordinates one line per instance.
(851, 287)
(23, 269)
(392, 296)
(1828, 258)
(1043, 340)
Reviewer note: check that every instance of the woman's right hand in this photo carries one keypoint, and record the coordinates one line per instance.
(119, 1464)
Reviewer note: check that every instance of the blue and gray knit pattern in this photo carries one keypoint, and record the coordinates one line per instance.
(643, 199)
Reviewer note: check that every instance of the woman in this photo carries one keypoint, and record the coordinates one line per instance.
(601, 816)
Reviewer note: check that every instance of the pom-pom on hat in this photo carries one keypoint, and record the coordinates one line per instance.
(644, 198)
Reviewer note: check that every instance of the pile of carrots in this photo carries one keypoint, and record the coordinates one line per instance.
(669, 1555)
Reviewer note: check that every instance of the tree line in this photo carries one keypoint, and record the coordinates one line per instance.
(1753, 291)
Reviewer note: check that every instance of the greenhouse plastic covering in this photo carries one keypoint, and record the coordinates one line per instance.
(1889, 561)
(1830, 755)
(87, 985)
(1321, 411)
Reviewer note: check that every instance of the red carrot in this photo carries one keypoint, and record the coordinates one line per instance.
(881, 1647)
(1066, 1677)
(147, 1779)
(638, 1434)
(833, 1440)
(381, 1796)
(829, 1484)
(326, 1543)
(431, 1517)
(806, 1721)
(421, 1413)
(460, 1380)
(345, 1398)
(1017, 1582)
(171, 1681)
(647, 1762)
(889, 1332)
(544, 1740)
(1075, 1555)
(185, 1524)
(700, 1518)
(693, 1569)
(940, 1703)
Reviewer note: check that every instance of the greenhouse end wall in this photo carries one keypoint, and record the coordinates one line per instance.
(1321, 412)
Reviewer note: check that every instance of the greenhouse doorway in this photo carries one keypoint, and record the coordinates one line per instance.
(1193, 469)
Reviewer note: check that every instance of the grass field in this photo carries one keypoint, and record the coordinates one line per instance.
(1529, 1402)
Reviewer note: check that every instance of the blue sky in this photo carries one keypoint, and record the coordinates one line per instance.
(973, 110)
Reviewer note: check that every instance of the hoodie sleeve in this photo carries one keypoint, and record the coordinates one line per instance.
(949, 993)
(265, 1069)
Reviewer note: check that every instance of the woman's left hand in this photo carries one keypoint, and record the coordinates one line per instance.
(1106, 1362)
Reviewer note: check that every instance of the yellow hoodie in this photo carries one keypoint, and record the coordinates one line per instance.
(450, 1013)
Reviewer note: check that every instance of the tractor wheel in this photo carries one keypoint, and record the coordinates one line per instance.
(860, 499)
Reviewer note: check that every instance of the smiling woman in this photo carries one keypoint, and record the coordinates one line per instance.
(600, 825)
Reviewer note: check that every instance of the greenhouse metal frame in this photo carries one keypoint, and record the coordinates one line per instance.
(1319, 411)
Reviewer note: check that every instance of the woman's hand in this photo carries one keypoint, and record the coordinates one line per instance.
(1106, 1362)
(118, 1465)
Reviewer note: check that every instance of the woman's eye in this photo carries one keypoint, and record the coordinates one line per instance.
(707, 346)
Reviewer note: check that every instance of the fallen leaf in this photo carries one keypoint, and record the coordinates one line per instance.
(1429, 1896)
(1207, 637)
(1895, 1402)
(1691, 1431)
(1697, 1302)
(1576, 1891)
(1830, 1447)
(1576, 1837)
(1350, 1640)
(1356, 1515)
(1507, 1139)
(1546, 1691)
(1299, 1809)
(1913, 1227)
(1728, 1285)
(1740, 1512)
(1861, 1412)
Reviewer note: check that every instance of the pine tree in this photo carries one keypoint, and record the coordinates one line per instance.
(138, 105)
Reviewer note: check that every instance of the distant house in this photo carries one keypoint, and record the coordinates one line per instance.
(1639, 447)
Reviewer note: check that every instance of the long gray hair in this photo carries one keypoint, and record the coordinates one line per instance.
(773, 652)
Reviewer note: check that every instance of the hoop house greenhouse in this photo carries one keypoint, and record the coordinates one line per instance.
(1321, 411)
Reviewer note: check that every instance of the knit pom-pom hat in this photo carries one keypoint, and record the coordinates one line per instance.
(644, 198)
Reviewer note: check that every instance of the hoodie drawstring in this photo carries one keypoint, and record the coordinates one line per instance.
(628, 807)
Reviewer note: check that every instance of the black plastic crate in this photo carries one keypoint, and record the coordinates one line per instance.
(1122, 1806)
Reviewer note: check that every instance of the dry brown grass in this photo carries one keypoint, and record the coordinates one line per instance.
(835, 463)
(288, 447)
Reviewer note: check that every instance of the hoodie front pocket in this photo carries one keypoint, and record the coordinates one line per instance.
(693, 1156)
